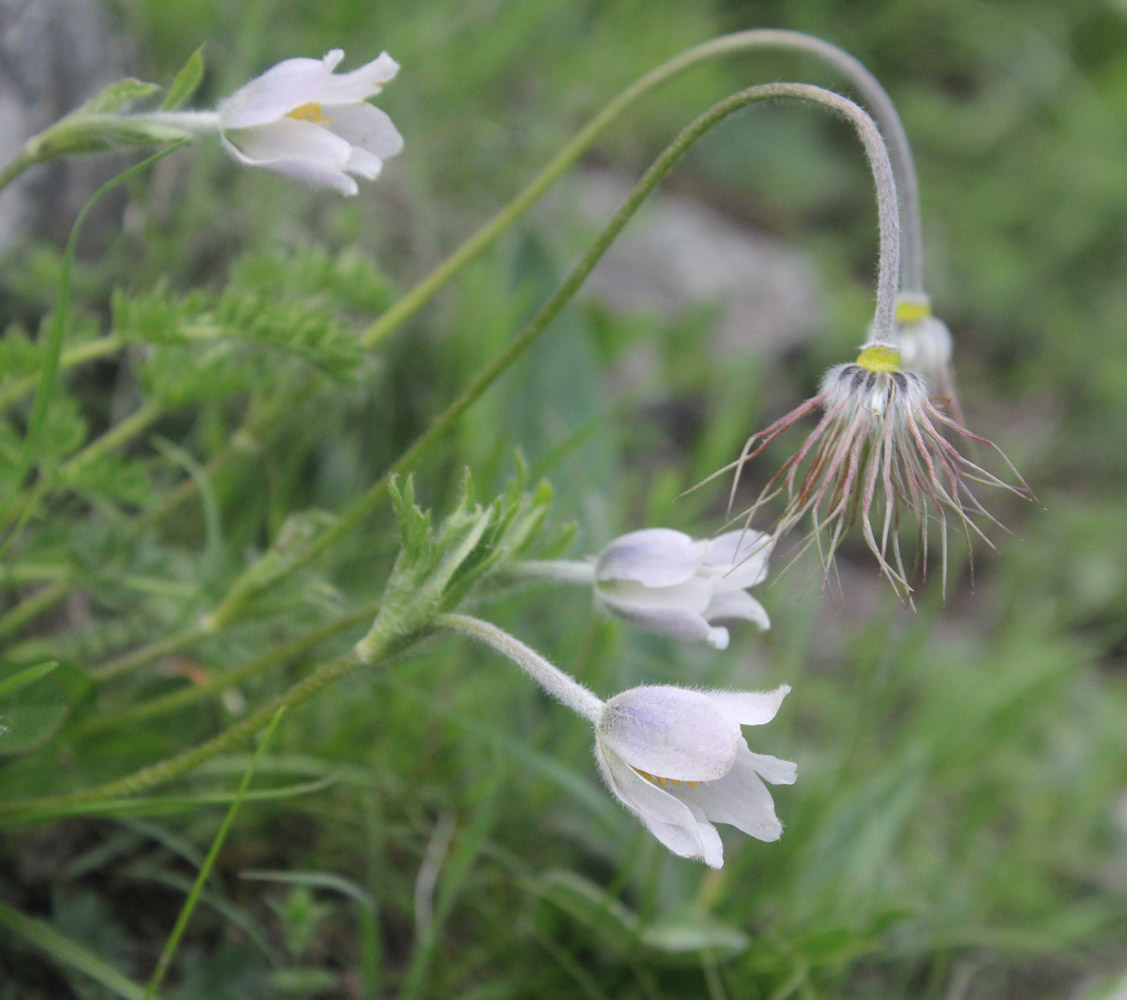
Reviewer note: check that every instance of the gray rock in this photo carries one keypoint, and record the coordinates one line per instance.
(679, 252)
(54, 54)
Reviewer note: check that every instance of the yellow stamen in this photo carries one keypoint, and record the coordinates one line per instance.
(312, 112)
(912, 312)
(880, 358)
(656, 779)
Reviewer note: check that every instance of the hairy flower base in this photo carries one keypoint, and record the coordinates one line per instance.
(880, 454)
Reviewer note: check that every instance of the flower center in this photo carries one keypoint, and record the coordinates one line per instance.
(912, 312)
(655, 779)
(311, 112)
(880, 358)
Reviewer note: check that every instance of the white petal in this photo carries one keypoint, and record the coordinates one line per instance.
(289, 139)
(737, 604)
(655, 557)
(367, 127)
(693, 593)
(364, 164)
(774, 770)
(739, 558)
(739, 798)
(678, 827)
(313, 174)
(678, 623)
(671, 733)
(359, 84)
(278, 91)
(750, 708)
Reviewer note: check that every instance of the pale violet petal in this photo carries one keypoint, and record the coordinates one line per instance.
(359, 84)
(750, 708)
(278, 91)
(290, 139)
(774, 770)
(655, 557)
(671, 733)
(313, 174)
(737, 604)
(364, 164)
(678, 623)
(739, 798)
(739, 558)
(671, 821)
(693, 593)
(368, 127)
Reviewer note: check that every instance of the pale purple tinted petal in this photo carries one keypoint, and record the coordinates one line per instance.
(367, 127)
(774, 770)
(671, 821)
(737, 604)
(358, 84)
(290, 139)
(670, 732)
(655, 557)
(678, 623)
(694, 593)
(739, 798)
(739, 558)
(750, 708)
(278, 91)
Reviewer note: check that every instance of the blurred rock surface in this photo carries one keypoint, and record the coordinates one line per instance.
(54, 54)
(679, 252)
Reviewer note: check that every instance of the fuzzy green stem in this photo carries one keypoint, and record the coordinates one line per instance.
(226, 680)
(563, 687)
(556, 570)
(77, 355)
(12, 170)
(378, 644)
(867, 85)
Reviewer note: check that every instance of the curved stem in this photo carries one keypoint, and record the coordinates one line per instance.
(378, 644)
(867, 86)
(242, 590)
(563, 687)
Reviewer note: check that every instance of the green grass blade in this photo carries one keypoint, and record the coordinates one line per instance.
(189, 906)
(25, 677)
(66, 952)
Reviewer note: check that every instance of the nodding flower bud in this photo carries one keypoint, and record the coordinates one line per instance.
(677, 759)
(303, 120)
(678, 586)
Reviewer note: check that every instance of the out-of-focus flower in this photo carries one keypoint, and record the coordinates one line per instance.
(880, 450)
(304, 121)
(677, 759)
(926, 348)
(678, 586)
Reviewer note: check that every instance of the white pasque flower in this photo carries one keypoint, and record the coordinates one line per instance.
(677, 759)
(302, 120)
(678, 586)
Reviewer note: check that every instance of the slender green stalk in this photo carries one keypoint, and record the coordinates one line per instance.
(12, 170)
(150, 652)
(90, 351)
(251, 582)
(229, 678)
(193, 898)
(121, 433)
(32, 607)
(380, 643)
(867, 85)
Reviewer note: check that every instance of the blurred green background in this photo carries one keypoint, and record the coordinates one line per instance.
(959, 828)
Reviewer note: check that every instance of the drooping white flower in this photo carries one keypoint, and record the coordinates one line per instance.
(677, 759)
(304, 121)
(678, 586)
